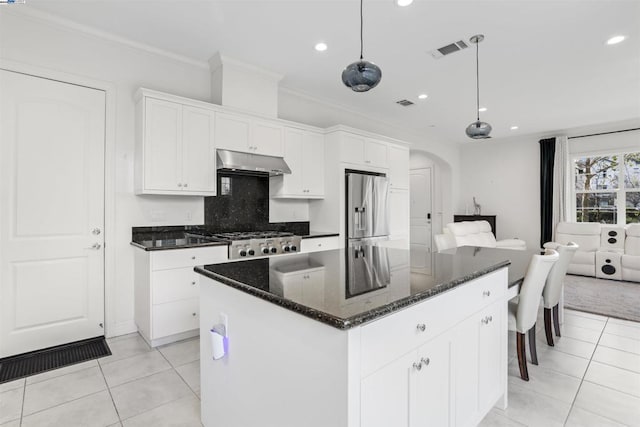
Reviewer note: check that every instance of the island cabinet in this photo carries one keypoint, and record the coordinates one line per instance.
(175, 152)
(249, 135)
(440, 361)
(304, 153)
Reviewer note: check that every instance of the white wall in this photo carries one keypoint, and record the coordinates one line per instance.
(30, 40)
(504, 178)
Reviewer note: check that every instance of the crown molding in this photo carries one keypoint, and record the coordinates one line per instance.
(47, 18)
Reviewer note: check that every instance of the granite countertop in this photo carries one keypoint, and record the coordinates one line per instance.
(344, 296)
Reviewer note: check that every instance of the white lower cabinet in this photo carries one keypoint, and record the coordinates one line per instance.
(449, 375)
(167, 291)
(411, 391)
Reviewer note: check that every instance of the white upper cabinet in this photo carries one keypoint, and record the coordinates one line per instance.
(376, 153)
(175, 152)
(248, 135)
(304, 153)
(363, 151)
(398, 167)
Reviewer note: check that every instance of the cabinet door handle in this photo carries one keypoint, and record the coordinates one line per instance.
(193, 283)
(487, 319)
(193, 257)
(417, 366)
(179, 185)
(425, 361)
(486, 293)
(185, 185)
(421, 327)
(194, 314)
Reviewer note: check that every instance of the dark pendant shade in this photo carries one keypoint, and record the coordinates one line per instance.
(361, 76)
(478, 130)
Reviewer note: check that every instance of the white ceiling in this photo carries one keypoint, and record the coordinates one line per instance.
(544, 65)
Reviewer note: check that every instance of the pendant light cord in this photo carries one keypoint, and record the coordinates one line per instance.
(361, 24)
(477, 82)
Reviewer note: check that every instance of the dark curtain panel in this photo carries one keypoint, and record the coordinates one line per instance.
(547, 152)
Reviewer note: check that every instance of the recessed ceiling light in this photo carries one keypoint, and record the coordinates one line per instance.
(615, 40)
(481, 109)
(514, 127)
(423, 96)
(320, 47)
(404, 3)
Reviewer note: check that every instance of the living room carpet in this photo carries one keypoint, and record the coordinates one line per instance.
(611, 298)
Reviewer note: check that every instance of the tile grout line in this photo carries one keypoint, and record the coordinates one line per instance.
(113, 402)
(178, 373)
(585, 373)
(24, 393)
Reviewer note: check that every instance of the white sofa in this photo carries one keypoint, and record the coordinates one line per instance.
(478, 233)
(587, 236)
(631, 256)
(605, 251)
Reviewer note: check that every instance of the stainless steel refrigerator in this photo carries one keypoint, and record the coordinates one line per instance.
(367, 223)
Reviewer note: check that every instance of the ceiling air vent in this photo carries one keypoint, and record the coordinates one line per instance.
(448, 49)
(404, 102)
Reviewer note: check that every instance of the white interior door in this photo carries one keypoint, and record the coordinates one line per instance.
(420, 217)
(51, 213)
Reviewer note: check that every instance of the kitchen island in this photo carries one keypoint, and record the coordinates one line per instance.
(322, 340)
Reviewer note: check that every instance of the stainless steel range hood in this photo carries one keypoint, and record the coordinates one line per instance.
(254, 164)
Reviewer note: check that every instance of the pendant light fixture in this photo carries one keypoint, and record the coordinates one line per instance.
(478, 129)
(361, 75)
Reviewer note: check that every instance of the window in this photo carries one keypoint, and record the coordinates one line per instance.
(607, 188)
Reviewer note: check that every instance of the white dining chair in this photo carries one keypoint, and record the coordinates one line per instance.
(444, 241)
(553, 288)
(524, 312)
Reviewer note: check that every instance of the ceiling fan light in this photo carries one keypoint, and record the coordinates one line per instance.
(478, 130)
(361, 76)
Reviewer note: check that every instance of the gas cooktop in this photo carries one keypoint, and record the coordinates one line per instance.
(248, 244)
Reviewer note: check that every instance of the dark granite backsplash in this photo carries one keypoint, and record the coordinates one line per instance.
(242, 206)
(238, 208)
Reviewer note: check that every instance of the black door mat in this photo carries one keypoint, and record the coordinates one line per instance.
(36, 362)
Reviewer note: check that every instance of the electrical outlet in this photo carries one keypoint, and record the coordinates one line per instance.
(189, 216)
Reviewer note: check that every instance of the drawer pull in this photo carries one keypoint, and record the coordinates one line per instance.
(425, 361)
(487, 319)
(193, 257)
(417, 366)
(421, 327)
(193, 283)
(194, 314)
(486, 293)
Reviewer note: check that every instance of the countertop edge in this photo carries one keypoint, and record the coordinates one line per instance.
(315, 235)
(356, 320)
(169, 248)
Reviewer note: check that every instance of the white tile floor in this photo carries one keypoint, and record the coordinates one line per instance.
(590, 378)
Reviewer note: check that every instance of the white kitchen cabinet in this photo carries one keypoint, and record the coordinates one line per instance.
(398, 167)
(430, 395)
(376, 153)
(321, 244)
(398, 213)
(167, 291)
(304, 153)
(384, 395)
(248, 135)
(304, 285)
(175, 152)
(363, 151)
